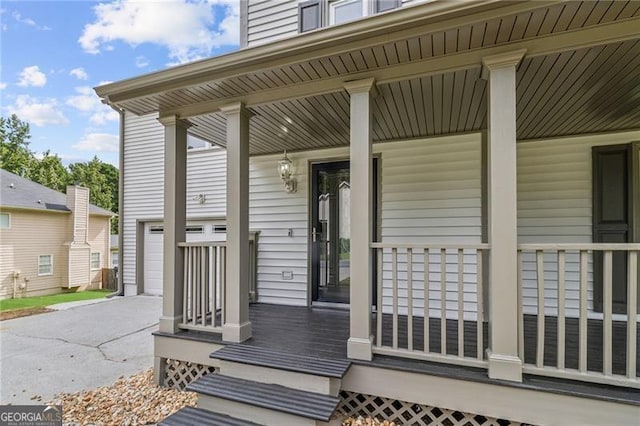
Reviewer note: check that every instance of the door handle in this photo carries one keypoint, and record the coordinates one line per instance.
(314, 234)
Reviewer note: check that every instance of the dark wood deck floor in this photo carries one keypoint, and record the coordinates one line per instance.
(323, 332)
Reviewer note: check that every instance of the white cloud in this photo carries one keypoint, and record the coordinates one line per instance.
(142, 62)
(194, 29)
(32, 76)
(28, 21)
(40, 112)
(88, 102)
(79, 73)
(99, 142)
(3, 85)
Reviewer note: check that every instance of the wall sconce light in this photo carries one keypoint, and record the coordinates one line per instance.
(285, 170)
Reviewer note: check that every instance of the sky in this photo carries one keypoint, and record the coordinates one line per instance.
(53, 53)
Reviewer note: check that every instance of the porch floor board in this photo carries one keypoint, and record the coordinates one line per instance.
(323, 332)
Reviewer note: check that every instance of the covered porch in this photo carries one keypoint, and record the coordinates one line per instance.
(475, 113)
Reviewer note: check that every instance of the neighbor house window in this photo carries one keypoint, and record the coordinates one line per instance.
(95, 260)
(5, 220)
(45, 264)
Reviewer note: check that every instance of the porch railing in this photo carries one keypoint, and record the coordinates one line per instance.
(204, 285)
(565, 329)
(205, 281)
(430, 302)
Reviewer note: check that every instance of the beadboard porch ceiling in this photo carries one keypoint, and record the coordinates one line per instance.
(578, 76)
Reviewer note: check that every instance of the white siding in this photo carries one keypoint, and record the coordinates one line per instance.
(554, 206)
(273, 212)
(431, 193)
(270, 20)
(144, 184)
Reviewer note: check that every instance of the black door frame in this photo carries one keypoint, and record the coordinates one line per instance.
(315, 168)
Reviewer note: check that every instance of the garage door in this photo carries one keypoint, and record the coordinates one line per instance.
(153, 238)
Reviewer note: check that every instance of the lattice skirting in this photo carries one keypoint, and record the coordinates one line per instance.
(407, 413)
(178, 374)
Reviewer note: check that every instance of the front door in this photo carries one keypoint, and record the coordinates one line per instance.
(330, 252)
(612, 218)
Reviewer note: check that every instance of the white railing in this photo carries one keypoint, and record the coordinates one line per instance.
(204, 285)
(430, 302)
(561, 333)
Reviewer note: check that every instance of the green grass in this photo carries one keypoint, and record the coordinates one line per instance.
(42, 301)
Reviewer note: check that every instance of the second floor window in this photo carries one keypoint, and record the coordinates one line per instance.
(314, 14)
(341, 11)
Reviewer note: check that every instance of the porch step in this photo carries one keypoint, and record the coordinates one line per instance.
(189, 416)
(262, 402)
(252, 355)
(305, 373)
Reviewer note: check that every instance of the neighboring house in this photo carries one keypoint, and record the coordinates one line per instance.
(492, 155)
(49, 241)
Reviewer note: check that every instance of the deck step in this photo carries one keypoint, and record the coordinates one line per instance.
(308, 405)
(252, 355)
(189, 416)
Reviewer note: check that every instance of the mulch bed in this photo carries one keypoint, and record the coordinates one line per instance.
(136, 400)
(7, 315)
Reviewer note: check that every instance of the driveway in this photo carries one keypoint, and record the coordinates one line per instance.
(80, 347)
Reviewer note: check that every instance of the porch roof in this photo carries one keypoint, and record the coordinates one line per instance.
(426, 60)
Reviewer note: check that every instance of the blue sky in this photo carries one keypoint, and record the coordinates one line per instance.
(53, 53)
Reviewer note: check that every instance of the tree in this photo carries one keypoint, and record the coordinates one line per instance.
(50, 172)
(90, 175)
(15, 155)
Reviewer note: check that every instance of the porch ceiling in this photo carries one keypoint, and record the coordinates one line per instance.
(426, 60)
(567, 93)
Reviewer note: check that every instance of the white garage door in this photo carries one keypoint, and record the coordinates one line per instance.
(153, 238)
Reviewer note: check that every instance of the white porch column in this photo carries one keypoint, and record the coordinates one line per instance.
(237, 327)
(504, 362)
(175, 207)
(360, 336)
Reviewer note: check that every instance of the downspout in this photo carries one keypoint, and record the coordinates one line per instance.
(120, 291)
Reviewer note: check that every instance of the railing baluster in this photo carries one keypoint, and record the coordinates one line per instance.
(379, 254)
(480, 306)
(582, 354)
(607, 308)
(223, 285)
(410, 299)
(460, 302)
(561, 307)
(541, 303)
(394, 297)
(214, 284)
(426, 282)
(194, 292)
(185, 283)
(632, 311)
(520, 306)
(204, 285)
(443, 301)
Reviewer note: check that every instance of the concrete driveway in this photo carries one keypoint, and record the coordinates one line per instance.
(74, 349)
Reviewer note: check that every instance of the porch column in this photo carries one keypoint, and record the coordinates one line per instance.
(237, 327)
(175, 207)
(360, 337)
(500, 70)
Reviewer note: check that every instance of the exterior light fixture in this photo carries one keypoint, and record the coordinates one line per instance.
(285, 170)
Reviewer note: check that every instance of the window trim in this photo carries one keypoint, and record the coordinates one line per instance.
(8, 220)
(321, 13)
(44, 274)
(91, 260)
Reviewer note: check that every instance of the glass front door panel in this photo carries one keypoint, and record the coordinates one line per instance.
(331, 202)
